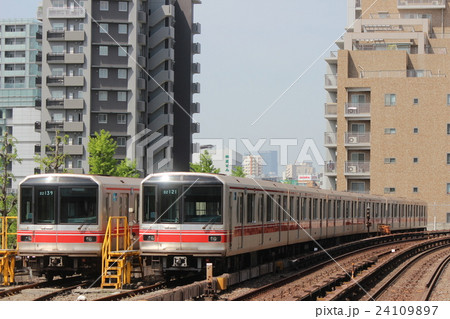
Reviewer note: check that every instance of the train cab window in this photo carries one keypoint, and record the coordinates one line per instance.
(251, 208)
(169, 210)
(26, 213)
(45, 205)
(149, 213)
(203, 205)
(269, 201)
(78, 205)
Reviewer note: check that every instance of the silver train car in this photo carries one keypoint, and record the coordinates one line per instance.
(63, 218)
(188, 219)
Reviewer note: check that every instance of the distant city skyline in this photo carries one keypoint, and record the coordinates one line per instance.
(252, 51)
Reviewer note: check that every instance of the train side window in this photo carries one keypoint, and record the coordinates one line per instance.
(26, 207)
(278, 208)
(149, 212)
(347, 209)
(297, 209)
(250, 208)
(269, 201)
(136, 207)
(261, 208)
(285, 211)
(330, 209)
(338, 209)
(291, 208)
(305, 204)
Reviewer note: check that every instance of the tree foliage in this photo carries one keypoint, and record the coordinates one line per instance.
(238, 171)
(8, 156)
(102, 149)
(205, 165)
(55, 159)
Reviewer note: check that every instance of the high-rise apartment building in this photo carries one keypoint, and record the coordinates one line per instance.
(388, 104)
(253, 166)
(125, 67)
(19, 94)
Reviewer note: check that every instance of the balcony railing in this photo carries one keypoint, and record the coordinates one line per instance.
(330, 167)
(56, 12)
(330, 138)
(400, 74)
(421, 4)
(330, 109)
(330, 80)
(357, 168)
(357, 109)
(357, 138)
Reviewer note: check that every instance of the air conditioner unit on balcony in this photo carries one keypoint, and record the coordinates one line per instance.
(351, 169)
(352, 140)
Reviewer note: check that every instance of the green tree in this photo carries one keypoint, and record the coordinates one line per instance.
(238, 171)
(55, 159)
(205, 165)
(8, 156)
(102, 149)
(8, 200)
(127, 168)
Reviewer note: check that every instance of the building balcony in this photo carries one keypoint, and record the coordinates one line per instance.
(65, 35)
(73, 126)
(421, 4)
(65, 80)
(357, 140)
(51, 126)
(54, 103)
(37, 126)
(141, 106)
(37, 103)
(357, 110)
(142, 16)
(66, 13)
(73, 150)
(330, 139)
(331, 82)
(66, 104)
(331, 110)
(361, 169)
(66, 58)
(329, 168)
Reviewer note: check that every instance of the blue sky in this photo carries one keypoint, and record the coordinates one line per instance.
(252, 51)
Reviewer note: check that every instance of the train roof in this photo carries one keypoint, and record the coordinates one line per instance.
(256, 184)
(79, 179)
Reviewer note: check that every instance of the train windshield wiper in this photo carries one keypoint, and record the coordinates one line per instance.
(210, 222)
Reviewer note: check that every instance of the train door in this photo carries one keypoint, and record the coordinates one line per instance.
(261, 218)
(240, 219)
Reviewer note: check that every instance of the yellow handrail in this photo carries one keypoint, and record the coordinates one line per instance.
(4, 230)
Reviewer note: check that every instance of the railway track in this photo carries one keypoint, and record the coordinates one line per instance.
(371, 285)
(29, 292)
(434, 280)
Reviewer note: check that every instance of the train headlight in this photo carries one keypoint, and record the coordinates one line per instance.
(25, 238)
(215, 239)
(149, 237)
(90, 239)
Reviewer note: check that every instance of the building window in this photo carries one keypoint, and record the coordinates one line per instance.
(415, 189)
(103, 73)
(448, 188)
(121, 96)
(103, 96)
(389, 190)
(448, 129)
(103, 118)
(103, 27)
(104, 5)
(122, 73)
(389, 160)
(121, 141)
(390, 99)
(123, 29)
(103, 50)
(448, 99)
(416, 130)
(415, 160)
(390, 130)
(415, 101)
(121, 119)
(122, 51)
(123, 6)
(448, 158)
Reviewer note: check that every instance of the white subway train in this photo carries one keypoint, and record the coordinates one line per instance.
(188, 219)
(63, 218)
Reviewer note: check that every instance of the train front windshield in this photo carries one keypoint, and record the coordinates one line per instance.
(183, 204)
(58, 204)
